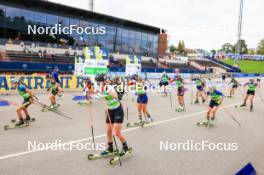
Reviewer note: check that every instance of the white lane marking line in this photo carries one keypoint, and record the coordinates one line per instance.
(103, 135)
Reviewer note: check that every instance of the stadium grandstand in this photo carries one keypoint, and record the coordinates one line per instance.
(35, 52)
(121, 37)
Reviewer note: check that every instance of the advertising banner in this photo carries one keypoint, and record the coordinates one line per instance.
(133, 65)
(95, 61)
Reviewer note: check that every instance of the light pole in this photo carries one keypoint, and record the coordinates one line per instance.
(240, 21)
(91, 5)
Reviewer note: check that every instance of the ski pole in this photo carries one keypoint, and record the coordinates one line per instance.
(260, 96)
(231, 115)
(171, 102)
(91, 122)
(127, 105)
(191, 93)
(47, 107)
(184, 104)
(111, 126)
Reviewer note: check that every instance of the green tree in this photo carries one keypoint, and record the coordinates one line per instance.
(227, 48)
(242, 47)
(172, 48)
(260, 48)
(213, 51)
(181, 47)
(251, 52)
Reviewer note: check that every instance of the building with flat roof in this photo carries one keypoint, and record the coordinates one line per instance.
(121, 35)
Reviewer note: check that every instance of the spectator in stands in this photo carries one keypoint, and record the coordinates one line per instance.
(22, 44)
(10, 41)
(40, 53)
(33, 45)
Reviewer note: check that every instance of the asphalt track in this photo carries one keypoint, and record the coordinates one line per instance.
(147, 158)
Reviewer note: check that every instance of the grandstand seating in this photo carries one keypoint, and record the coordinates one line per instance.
(119, 63)
(231, 68)
(25, 51)
(180, 66)
(148, 64)
(208, 63)
(27, 57)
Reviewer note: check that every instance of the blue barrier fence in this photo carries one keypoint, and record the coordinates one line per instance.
(34, 67)
(69, 68)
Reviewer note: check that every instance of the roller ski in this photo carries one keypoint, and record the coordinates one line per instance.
(243, 106)
(240, 106)
(196, 102)
(103, 154)
(19, 124)
(50, 108)
(141, 123)
(179, 109)
(84, 103)
(206, 124)
(136, 124)
(122, 154)
(26, 120)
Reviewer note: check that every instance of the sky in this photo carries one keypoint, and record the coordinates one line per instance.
(206, 24)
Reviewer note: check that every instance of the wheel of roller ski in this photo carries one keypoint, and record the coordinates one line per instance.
(90, 157)
(6, 127)
(13, 120)
(26, 123)
(112, 161)
(128, 124)
(200, 124)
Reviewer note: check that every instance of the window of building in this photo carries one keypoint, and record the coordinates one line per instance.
(75, 36)
(12, 23)
(40, 19)
(2, 19)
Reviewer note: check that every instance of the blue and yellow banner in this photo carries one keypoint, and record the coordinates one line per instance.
(95, 53)
(133, 59)
(36, 82)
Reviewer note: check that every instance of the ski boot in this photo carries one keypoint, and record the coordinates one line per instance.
(107, 153)
(243, 105)
(204, 123)
(125, 151)
(251, 108)
(20, 122)
(140, 120)
(149, 119)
